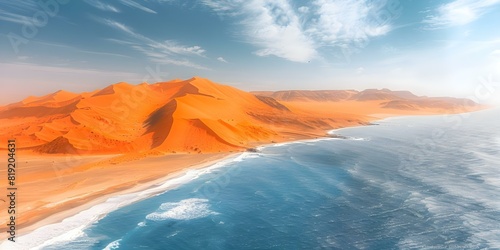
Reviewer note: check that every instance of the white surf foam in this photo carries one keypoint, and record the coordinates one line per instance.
(307, 142)
(187, 209)
(113, 245)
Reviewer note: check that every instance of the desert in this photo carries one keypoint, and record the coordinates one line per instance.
(78, 149)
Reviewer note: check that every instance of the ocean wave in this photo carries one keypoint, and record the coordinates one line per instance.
(306, 141)
(246, 155)
(47, 237)
(358, 139)
(187, 209)
(281, 144)
(113, 245)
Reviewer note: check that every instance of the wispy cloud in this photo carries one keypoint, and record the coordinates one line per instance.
(224, 6)
(75, 49)
(14, 18)
(102, 6)
(133, 4)
(17, 11)
(19, 6)
(221, 59)
(119, 26)
(297, 33)
(27, 67)
(165, 52)
(458, 12)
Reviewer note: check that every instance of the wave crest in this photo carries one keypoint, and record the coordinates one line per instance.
(187, 209)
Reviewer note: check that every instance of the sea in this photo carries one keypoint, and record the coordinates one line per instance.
(426, 182)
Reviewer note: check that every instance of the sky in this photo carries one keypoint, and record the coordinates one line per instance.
(433, 48)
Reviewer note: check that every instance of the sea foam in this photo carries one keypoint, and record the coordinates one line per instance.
(113, 245)
(187, 209)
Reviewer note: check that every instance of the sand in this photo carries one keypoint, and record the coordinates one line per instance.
(76, 150)
(53, 188)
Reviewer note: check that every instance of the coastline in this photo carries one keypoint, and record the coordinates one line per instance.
(66, 210)
(155, 184)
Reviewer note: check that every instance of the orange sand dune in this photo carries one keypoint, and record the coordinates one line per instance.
(196, 116)
(74, 148)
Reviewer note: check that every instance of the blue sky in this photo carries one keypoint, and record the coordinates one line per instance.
(434, 48)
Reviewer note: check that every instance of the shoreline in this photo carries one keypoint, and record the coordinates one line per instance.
(90, 202)
(149, 187)
(64, 213)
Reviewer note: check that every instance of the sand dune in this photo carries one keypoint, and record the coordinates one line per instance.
(74, 148)
(196, 116)
(371, 102)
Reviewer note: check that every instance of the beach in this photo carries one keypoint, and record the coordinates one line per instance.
(52, 188)
(309, 193)
(55, 187)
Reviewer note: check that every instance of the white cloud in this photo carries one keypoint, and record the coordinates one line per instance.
(348, 21)
(133, 4)
(458, 12)
(303, 9)
(496, 53)
(221, 59)
(278, 28)
(360, 70)
(273, 26)
(102, 6)
(165, 52)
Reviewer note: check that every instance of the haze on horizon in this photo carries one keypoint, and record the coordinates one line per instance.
(445, 48)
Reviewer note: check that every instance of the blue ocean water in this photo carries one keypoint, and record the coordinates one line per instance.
(428, 182)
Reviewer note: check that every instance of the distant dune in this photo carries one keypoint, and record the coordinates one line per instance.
(197, 116)
(373, 103)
